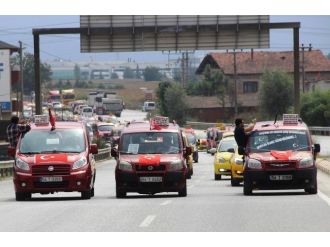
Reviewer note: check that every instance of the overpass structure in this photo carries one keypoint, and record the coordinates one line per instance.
(178, 33)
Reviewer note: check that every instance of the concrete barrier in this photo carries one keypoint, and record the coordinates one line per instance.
(6, 167)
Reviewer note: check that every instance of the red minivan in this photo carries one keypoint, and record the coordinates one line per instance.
(49, 160)
(281, 155)
(151, 159)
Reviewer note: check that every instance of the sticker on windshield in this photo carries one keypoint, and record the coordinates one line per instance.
(286, 138)
(291, 132)
(133, 148)
(52, 141)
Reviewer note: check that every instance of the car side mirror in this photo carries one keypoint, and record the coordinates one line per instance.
(11, 151)
(241, 150)
(317, 148)
(230, 150)
(94, 149)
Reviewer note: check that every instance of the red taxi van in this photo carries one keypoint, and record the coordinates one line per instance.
(54, 159)
(151, 159)
(281, 155)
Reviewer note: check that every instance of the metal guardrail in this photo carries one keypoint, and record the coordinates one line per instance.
(321, 131)
(6, 167)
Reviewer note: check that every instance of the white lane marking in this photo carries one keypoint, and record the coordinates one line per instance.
(191, 186)
(166, 202)
(323, 197)
(147, 221)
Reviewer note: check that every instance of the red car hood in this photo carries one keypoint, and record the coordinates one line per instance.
(150, 159)
(280, 155)
(46, 159)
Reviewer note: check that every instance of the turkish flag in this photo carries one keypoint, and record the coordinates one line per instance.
(52, 118)
(281, 155)
(154, 126)
(145, 160)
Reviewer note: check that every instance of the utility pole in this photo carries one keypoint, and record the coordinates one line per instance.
(235, 84)
(21, 75)
(303, 64)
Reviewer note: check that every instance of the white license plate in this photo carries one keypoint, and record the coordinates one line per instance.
(151, 179)
(51, 179)
(280, 177)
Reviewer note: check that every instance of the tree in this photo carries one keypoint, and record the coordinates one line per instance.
(138, 72)
(152, 74)
(175, 100)
(28, 71)
(128, 73)
(77, 72)
(276, 93)
(163, 110)
(315, 108)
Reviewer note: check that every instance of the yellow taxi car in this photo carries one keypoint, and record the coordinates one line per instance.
(223, 155)
(236, 168)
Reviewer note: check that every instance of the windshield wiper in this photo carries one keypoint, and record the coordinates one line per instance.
(30, 153)
(58, 151)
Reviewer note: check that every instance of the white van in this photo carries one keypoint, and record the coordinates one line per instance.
(87, 112)
(149, 106)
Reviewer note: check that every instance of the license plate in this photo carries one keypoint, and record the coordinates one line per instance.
(151, 179)
(51, 179)
(280, 177)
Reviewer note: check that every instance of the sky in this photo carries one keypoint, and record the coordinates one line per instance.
(315, 30)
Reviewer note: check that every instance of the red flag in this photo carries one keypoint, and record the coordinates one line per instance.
(51, 119)
(145, 160)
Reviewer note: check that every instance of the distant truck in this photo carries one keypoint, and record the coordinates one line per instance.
(53, 96)
(149, 106)
(106, 103)
(68, 96)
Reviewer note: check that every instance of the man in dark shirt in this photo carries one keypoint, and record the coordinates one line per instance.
(241, 134)
(14, 130)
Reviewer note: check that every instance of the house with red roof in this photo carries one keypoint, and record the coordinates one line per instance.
(314, 67)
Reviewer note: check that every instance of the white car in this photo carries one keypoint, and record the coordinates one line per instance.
(149, 106)
(86, 112)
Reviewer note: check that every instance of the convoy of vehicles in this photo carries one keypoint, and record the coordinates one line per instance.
(151, 159)
(52, 159)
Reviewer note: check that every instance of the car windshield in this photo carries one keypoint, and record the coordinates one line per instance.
(226, 144)
(105, 127)
(280, 140)
(56, 141)
(150, 143)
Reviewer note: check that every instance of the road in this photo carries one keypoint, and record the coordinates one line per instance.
(210, 206)
(128, 115)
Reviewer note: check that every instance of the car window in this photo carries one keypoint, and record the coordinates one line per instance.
(150, 143)
(226, 144)
(281, 140)
(105, 127)
(47, 141)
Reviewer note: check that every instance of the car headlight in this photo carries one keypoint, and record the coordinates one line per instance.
(254, 164)
(125, 166)
(238, 161)
(221, 160)
(306, 162)
(79, 163)
(175, 165)
(22, 164)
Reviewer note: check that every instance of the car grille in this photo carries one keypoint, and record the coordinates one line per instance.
(280, 165)
(148, 168)
(63, 184)
(44, 170)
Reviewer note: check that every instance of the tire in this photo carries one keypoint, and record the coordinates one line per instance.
(247, 187)
(217, 176)
(313, 189)
(22, 196)
(119, 193)
(86, 194)
(234, 182)
(183, 191)
(92, 192)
